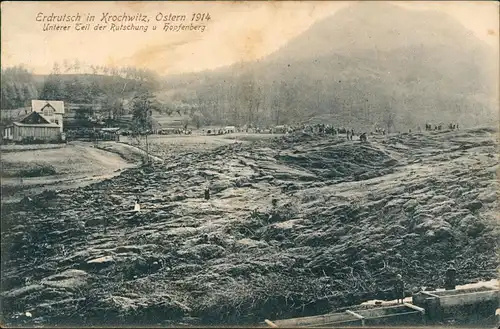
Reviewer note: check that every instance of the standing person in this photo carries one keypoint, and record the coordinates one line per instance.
(399, 288)
(450, 280)
(348, 133)
(137, 205)
(207, 194)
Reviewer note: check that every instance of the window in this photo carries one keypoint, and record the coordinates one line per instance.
(48, 111)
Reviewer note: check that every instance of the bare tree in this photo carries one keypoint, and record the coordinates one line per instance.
(389, 118)
(198, 119)
(76, 66)
(142, 110)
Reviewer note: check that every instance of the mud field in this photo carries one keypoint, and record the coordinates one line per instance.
(295, 226)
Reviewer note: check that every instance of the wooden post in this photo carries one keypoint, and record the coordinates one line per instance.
(270, 324)
(420, 309)
(434, 309)
(356, 315)
(147, 148)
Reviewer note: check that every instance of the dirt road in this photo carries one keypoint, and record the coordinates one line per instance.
(74, 165)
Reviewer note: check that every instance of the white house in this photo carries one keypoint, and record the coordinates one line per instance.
(53, 111)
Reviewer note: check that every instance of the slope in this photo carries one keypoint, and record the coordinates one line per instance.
(417, 65)
(346, 219)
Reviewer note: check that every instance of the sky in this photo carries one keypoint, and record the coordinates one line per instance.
(237, 31)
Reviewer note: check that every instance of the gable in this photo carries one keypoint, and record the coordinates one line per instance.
(37, 105)
(48, 110)
(34, 118)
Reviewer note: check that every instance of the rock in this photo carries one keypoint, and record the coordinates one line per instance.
(265, 177)
(410, 205)
(179, 197)
(440, 210)
(474, 205)
(67, 279)
(127, 249)
(101, 262)
(473, 226)
(249, 243)
(242, 182)
(203, 251)
(488, 197)
(19, 293)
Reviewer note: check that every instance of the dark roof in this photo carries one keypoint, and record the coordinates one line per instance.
(24, 116)
(34, 118)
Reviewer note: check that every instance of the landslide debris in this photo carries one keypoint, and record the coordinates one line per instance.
(295, 226)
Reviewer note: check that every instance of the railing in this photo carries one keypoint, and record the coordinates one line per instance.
(323, 320)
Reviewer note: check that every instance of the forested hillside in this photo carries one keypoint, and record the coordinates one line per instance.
(77, 87)
(18, 87)
(395, 70)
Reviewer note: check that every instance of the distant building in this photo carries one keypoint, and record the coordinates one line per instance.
(53, 111)
(281, 129)
(230, 129)
(110, 134)
(33, 126)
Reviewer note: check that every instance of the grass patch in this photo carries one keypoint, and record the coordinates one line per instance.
(38, 170)
(31, 170)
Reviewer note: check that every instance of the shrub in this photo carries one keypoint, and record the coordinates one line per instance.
(37, 170)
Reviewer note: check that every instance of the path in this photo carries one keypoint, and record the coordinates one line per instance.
(77, 164)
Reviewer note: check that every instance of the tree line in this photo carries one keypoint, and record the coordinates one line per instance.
(75, 82)
(246, 98)
(18, 87)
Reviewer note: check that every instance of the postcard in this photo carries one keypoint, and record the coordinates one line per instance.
(253, 163)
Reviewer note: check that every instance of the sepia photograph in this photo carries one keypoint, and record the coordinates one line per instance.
(256, 163)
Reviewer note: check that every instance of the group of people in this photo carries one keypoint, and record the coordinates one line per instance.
(90, 134)
(330, 130)
(175, 131)
(430, 127)
(320, 128)
(219, 131)
(450, 282)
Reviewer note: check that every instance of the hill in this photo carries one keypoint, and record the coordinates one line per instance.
(361, 69)
(346, 218)
(105, 86)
